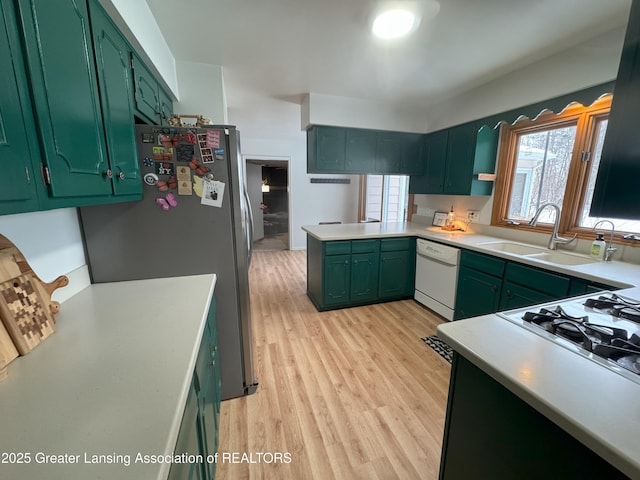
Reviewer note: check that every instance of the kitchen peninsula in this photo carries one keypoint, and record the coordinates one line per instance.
(110, 386)
(575, 397)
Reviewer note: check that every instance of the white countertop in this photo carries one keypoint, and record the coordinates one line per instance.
(616, 273)
(599, 408)
(113, 381)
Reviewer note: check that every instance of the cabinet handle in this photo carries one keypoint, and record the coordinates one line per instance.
(121, 176)
(355, 261)
(108, 173)
(346, 262)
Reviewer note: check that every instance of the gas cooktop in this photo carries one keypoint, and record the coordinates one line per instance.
(604, 328)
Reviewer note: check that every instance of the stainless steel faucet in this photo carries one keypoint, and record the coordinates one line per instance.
(610, 250)
(555, 240)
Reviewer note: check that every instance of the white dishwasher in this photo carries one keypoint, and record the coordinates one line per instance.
(436, 276)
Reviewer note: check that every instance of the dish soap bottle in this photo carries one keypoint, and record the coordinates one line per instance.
(598, 247)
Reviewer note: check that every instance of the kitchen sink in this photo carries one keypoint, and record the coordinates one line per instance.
(513, 247)
(562, 258)
(538, 253)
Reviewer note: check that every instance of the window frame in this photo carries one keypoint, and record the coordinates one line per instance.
(586, 120)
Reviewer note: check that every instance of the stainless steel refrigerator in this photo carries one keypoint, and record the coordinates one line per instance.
(194, 218)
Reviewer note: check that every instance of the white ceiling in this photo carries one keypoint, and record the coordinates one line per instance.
(282, 49)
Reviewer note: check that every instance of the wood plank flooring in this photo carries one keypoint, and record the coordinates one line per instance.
(348, 394)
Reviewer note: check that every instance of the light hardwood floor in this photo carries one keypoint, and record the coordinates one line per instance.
(348, 394)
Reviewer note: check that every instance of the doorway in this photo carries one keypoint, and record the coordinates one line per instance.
(268, 188)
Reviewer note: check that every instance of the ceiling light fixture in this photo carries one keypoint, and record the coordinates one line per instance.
(398, 18)
(394, 23)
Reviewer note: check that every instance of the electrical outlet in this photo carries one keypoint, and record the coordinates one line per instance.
(472, 215)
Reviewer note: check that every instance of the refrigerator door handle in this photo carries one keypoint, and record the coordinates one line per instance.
(250, 227)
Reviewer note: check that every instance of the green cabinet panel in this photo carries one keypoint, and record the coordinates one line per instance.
(491, 433)
(342, 150)
(336, 279)
(484, 263)
(64, 87)
(346, 273)
(616, 193)
(326, 149)
(484, 160)
(152, 103)
(17, 182)
(360, 155)
(454, 157)
(413, 154)
(189, 440)
(436, 161)
(397, 274)
(460, 156)
(553, 284)
(116, 84)
(477, 293)
(514, 295)
(364, 277)
(198, 434)
(388, 158)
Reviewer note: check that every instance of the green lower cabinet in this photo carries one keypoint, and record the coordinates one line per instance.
(364, 277)
(516, 296)
(337, 279)
(478, 293)
(347, 273)
(189, 440)
(397, 273)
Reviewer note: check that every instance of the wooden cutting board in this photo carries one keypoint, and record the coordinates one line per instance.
(14, 265)
(26, 316)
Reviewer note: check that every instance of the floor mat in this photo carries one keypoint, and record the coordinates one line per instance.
(439, 346)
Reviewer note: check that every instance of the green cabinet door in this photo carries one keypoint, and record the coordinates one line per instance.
(116, 84)
(484, 160)
(17, 181)
(326, 147)
(477, 294)
(64, 87)
(397, 274)
(360, 156)
(336, 281)
(388, 158)
(515, 296)
(166, 106)
(413, 155)
(146, 93)
(189, 440)
(460, 156)
(432, 182)
(364, 277)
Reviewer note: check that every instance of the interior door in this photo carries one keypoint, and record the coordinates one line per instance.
(254, 189)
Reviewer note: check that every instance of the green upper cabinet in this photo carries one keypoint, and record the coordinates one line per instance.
(454, 158)
(361, 151)
(115, 81)
(326, 149)
(412, 154)
(616, 192)
(152, 103)
(17, 182)
(388, 159)
(65, 94)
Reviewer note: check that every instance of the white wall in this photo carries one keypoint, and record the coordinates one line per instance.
(309, 203)
(50, 241)
(201, 91)
(319, 109)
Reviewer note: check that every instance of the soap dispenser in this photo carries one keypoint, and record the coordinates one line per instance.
(598, 247)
